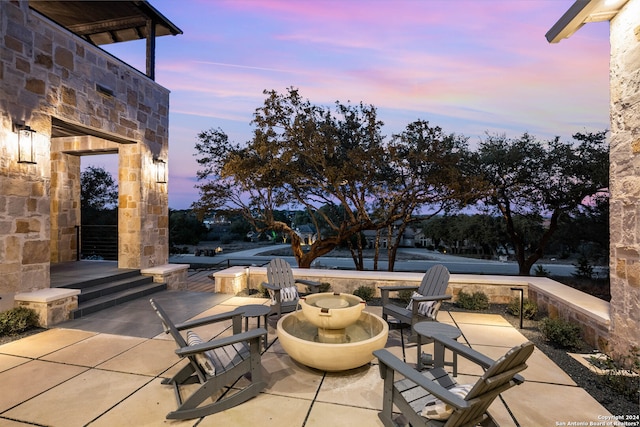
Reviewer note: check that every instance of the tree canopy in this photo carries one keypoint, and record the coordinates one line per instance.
(98, 190)
(527, 178)
(334, 163)
(331, 162)
(98, 197)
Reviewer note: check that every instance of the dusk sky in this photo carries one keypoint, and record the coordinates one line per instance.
(470, 67)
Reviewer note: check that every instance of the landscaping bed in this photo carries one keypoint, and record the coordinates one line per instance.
(617, 393)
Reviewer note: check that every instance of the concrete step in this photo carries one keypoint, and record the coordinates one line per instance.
(103, 289)
(112, 299)
(121, 275)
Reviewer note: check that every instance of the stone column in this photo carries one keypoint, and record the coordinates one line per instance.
(625, 182)
(143, 210)
(65, 206)
(129, 209)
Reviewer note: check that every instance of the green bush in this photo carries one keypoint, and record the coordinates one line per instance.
(476, 301)
(364, 292)
(324, 287)
(561, 333)
(540, 271)
(621, 374)
(17, 320)
(263, 291)
(405, 295)
(529, 308)
(584, 269)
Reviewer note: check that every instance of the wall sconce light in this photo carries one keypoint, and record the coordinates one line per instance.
(161, 170)
(26, 153)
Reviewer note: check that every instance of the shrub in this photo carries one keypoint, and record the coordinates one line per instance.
(405, 296)
(561, 333)
(263, 291)
(324, 287)
(17, 320)
(584, 269)
(529, 308)
(364, 292)
(476, 301)
(621, 374)
(540, 271)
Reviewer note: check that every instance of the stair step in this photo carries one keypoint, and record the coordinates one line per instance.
(104, 289)
(103, 280)
(116, 298)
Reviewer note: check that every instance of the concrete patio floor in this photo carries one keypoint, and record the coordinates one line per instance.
(105, 370)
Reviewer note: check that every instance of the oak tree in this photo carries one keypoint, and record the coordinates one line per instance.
(525, 177)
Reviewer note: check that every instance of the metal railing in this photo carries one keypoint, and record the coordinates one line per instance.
(226, 263)
(97, 242)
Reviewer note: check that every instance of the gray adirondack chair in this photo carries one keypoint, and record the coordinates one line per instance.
(411, 390)
(280, 277)
(215, 365)
(432, 288)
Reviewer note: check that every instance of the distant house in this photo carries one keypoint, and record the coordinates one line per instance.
(306, 233)
(407, 240)
(216, 220)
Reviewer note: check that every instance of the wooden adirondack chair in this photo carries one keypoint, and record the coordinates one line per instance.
(426, 301)
(282, 287)
(215, 365)
(448, 403)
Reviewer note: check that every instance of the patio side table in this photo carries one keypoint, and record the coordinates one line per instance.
(258, 311)
(428, 330)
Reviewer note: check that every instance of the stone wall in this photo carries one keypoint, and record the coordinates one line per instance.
(53, 305)
(173, 275)
(65, 206)
(559, 301)
(52, 78)
(591, 314)
(625, 182)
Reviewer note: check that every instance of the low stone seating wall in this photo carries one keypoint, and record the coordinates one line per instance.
(565, 302)
(554, 298)
(53, 305)
(235, 279)
(174, 275)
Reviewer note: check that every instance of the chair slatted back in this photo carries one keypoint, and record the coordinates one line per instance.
(435, 281)
(497, 378)
(169, 327)
(279, 273)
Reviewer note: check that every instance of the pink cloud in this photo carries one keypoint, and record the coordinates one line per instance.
(470, 65)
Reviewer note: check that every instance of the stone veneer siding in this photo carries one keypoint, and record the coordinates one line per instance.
(625, 183)
(47, 72)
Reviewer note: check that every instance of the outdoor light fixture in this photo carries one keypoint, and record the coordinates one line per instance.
(161, 170)
(26, 153)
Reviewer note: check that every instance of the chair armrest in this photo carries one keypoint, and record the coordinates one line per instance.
(469, 354)
(518, 379)
(221, 342)
(431, 298)
(306, 282)
(397, 365)
(209, 319)
(464, 351)
(271, 287)
(384, 291)
(397, 288)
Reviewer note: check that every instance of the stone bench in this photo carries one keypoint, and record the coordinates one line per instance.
(174, 275)
(572, 305)
(53, 305)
